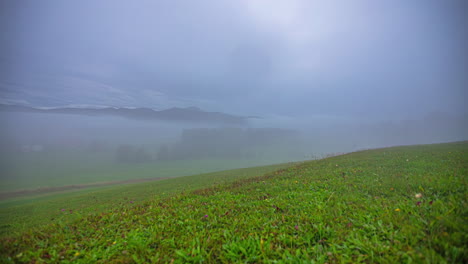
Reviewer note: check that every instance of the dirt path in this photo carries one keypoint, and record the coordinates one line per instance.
(8, 195)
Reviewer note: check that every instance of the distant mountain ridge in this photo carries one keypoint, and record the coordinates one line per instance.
(189, 114)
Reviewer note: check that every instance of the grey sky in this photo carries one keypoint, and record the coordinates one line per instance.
(385, 59)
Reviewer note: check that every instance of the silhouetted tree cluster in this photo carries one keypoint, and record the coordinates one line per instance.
(163, 153)
(224, 142)
(209, 143)
(132, 154)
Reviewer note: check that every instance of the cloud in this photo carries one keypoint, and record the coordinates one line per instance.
(251, 56)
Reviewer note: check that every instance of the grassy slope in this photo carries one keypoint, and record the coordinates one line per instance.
(62, 168)
(19, 214)
(359, 207)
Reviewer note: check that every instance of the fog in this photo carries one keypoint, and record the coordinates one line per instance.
(316, 78)
(318, 136)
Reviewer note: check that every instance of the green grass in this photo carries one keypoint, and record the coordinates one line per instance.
(55, 169)
(19, 214)
(395, 205)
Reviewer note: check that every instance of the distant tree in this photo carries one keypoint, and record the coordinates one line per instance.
(141, 155)
(163, 153)
(131, 154)
(125, 154)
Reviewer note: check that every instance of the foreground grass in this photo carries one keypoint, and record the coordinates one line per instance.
(396, 205)
(20, 214)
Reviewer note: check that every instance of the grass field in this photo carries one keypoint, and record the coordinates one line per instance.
(395, 205)
(25, 212)
(20, 171)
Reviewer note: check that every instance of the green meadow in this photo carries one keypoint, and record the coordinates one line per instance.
(28, 171)
(19, 214)
(394, 205)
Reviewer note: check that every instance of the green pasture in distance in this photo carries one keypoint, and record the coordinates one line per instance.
(56, 169)
(394, 205)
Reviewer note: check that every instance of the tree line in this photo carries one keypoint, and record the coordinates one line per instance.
(208, 143)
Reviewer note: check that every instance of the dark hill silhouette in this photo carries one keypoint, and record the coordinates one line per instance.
(189, 114)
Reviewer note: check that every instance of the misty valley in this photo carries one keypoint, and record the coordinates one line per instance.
(233, 131)
(42, 150)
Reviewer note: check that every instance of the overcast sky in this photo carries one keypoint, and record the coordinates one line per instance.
(385, 59)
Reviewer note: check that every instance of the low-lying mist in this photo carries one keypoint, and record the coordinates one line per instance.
(43, 150)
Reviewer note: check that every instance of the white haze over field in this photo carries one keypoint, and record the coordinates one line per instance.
(320, 76)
